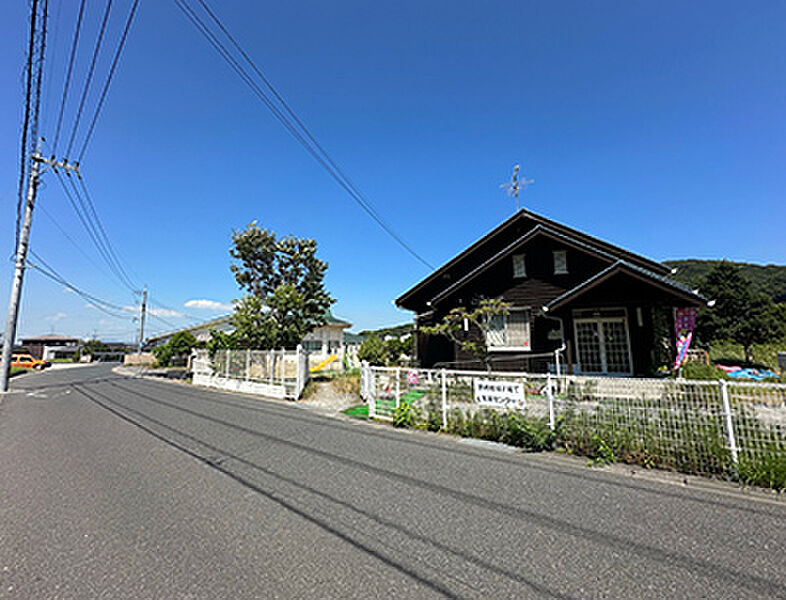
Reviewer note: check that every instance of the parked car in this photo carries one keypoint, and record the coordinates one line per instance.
(28, 361)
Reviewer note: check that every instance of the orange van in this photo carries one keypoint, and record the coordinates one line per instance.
(28, 361)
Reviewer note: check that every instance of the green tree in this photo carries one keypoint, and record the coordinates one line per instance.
(182, 343)
(221, 341)
(284, 278)
(738, 314)
(179, 345)
(93, 346)
(468, 329)
(373, 350)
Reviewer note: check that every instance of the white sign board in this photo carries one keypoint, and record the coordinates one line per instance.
(499, 394)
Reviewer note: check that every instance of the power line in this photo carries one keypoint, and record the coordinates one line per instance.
(297, 129)
(34, 67)
(104, 91)
(107, 241)
(175, 310)
(73, 242)
(90, 231)
(89, 76)
(102, 305)
(23, 158)
(94, 229)
(75, 43)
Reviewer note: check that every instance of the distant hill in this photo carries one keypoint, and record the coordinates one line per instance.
(397, 331)
(770, 279)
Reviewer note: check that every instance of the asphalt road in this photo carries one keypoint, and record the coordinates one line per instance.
(115, 487)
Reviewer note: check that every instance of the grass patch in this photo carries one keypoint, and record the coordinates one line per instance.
(357, 412)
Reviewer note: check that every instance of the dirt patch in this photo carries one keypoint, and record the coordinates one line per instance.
(327, 398)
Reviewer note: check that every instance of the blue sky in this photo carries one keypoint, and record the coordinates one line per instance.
(657, 126)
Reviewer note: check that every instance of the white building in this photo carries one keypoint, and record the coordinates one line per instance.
(322, 343)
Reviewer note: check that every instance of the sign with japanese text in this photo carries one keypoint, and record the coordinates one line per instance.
(499, 394)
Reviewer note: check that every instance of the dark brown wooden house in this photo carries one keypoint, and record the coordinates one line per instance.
(610, 310)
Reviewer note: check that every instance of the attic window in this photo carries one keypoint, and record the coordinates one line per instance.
(560, 262)
(519, 266)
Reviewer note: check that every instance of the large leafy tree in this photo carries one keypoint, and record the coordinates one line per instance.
(284, 280)
(739, 314)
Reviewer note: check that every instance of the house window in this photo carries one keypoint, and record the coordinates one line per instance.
(519, 266)
(312, 346)
(510, 331)
(560, 262)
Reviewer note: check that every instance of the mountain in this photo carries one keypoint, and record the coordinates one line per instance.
(396, 331)
(770, 279)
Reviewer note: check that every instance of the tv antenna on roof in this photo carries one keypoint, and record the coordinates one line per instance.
(515, 185)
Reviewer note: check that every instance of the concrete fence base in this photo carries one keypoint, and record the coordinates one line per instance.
(239, 385)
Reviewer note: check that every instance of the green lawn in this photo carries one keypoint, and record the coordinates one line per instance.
(384, 406)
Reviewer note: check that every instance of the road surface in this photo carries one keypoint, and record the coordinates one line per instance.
(117, 487)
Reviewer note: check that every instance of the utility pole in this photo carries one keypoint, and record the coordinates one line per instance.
(21, 259)
(142, 320)
(19, 273)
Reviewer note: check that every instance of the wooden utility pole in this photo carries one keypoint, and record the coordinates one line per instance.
(142, 320)
(21, 259)
(19, 272)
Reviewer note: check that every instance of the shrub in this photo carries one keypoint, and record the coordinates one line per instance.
(406, 415)
(767, 468)
(694, 370)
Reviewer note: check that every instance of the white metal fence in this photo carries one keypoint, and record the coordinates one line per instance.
(703, 427)
(274, 373)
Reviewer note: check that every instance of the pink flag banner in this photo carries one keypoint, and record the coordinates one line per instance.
(684, 322)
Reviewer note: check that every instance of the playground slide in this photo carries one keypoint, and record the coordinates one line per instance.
(324, 363)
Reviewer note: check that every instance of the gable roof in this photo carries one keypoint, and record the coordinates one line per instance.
(623, 266)
(535, 231)
(51, 337)
(524, 216)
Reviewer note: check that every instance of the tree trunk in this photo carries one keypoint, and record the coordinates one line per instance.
(748, 352)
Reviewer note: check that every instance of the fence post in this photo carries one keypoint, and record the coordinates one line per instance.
(444, 386)
(371, 386)
(729, 426)
(550, 396)
(283, 369)
(271, 365)
(297, 371)
(226, 370)
(248, 363)
(398, 387)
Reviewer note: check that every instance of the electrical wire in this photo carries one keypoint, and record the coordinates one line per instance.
(193, 318)
(34, 71)
(296, 129)
(74, 45)
(26, 120)
(73, 242)
(90, 230)
(89, 78)
(107, 241)
(105, 89)
(98, 303)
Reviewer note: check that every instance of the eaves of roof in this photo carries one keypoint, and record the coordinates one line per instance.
(642, 273)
